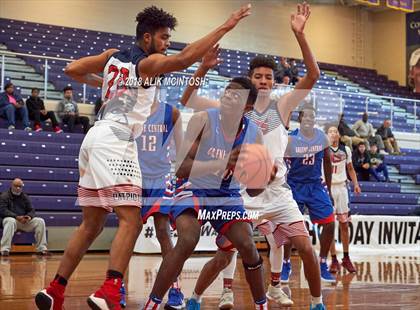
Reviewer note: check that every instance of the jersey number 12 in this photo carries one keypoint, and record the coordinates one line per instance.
(148, 143)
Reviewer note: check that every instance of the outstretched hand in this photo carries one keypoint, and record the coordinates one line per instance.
(210, 60)
(236, 16)
(298, 19)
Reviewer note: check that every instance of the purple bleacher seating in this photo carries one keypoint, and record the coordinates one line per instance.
(418, 179)
(35, 160)
(53, 219)
(380, 187)
(39, 173)
(385, 198)
(382, 209)
(45, 187)
(41, 136)
(54, 203)
(406, 160)
(47, 148)
(409, 169)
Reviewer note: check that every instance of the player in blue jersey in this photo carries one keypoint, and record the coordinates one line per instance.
(210, 150)
(308, 152)
(154, 147)
(109, 146)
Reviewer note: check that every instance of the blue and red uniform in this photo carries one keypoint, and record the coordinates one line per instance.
(305, 175)
(154, 149)
(212, 192)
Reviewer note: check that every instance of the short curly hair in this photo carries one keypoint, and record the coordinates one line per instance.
(247, 84)
(262, 61)
(151, 19)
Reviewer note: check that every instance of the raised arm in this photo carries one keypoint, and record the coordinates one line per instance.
(157, 64)
(189, 97)
(85, 70)
(291, 100)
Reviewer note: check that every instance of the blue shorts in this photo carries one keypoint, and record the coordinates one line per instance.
(315, 197)
(226, 210)
(156, 197)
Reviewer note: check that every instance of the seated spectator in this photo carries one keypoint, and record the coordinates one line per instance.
(348, 136)
(294, 72)
(17, 214)
(38, 113)
(286, 80)
(364, 130)
(69, 111)
(388, 138)
(282, 70)
(377, 164)
(361, 162)
(11, 104)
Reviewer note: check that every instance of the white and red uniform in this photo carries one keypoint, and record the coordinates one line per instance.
(108, 161)
(340, 157)
(279, 213)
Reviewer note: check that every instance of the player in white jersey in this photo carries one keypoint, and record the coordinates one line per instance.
(110, 178)
(276, 203)
(342, 165)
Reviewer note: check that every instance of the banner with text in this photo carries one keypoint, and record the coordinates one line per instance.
(367, 234)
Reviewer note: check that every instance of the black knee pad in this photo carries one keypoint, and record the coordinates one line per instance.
(253, 267)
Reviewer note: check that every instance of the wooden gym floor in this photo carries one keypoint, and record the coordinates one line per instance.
(382, 282)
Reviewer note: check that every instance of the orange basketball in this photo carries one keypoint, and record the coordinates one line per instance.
(254, 167)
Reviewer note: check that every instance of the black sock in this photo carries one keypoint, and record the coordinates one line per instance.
(60, 280)
(334, 257)
(112, 274)
(346, 254)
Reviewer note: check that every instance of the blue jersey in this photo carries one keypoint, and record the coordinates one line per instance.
(154, 143)
(305, 156)
(216, 147)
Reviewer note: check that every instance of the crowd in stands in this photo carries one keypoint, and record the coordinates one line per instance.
(287, 72)
(369, 147)
(12, 107)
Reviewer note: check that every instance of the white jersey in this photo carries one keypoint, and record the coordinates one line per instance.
(125, 102)
(275, 136)
(340, 157)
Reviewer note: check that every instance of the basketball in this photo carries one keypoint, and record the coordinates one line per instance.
(254, 169)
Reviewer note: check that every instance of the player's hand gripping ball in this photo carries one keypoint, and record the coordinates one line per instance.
(254, 166)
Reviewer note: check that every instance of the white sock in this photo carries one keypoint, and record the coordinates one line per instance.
(229, 271)
(196, 297)
(276, 254)
(316, 300)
